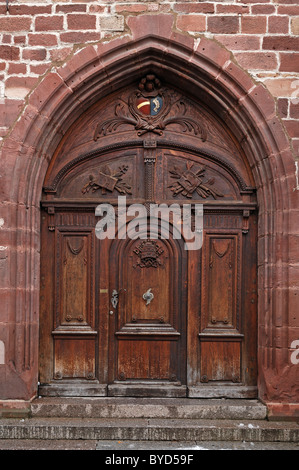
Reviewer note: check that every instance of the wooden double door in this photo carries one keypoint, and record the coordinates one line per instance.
(136, 313)
(141, 315)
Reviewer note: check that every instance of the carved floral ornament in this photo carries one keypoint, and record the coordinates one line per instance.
(151, 108)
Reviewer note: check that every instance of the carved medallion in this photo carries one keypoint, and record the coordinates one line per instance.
(190, 181)
(151, 108)
(107, 180)
(148, 252)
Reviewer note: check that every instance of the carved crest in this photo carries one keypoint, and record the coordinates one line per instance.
(148, 252)
(190, 181)
(149, 100)
(151, 108)
(107, 180)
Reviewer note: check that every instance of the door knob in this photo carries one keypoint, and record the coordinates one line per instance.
(148, 296)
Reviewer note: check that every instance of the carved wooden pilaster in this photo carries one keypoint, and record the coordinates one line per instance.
(245, 227)
(51, 220)
(149, 158)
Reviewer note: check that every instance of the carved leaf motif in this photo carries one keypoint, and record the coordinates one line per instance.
(111, 125)
(187, 123)
(166, 109)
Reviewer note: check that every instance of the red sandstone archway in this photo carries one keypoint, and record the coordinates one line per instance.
(249, 111)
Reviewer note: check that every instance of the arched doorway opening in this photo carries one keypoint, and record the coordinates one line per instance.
(149, 317)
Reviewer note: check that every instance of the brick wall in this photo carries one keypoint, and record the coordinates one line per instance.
(36, 36)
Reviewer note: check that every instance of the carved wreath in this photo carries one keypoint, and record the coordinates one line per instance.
(189, 181)
(148, 110)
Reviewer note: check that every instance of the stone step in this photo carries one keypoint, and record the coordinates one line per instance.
(123, 408)
(193, 446)
(142, 429)
(138, 447)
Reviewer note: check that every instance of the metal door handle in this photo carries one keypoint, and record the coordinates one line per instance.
(148, 296)
(115, 297)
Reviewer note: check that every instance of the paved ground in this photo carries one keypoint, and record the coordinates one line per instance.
(8, 444)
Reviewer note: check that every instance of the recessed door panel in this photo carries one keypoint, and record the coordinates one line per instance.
(149, 343)
(148, 268)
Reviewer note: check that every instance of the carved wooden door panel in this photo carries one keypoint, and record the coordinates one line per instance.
(69, 298)
(227, 324)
